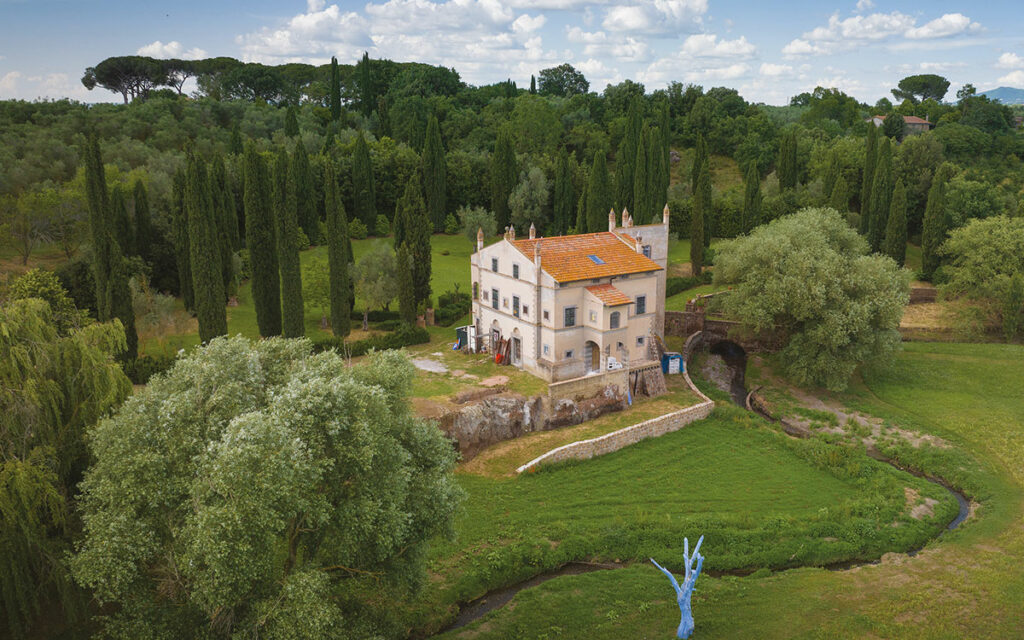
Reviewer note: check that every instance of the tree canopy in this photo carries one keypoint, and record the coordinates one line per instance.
(921, 87)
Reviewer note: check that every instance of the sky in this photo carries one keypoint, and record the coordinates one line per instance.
(768, 51)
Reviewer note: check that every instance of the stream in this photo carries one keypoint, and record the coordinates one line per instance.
(735, 359)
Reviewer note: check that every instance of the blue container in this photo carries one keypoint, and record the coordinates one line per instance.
(672, 363)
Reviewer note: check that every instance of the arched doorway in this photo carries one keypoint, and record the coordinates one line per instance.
(592, 356)
(517, 348)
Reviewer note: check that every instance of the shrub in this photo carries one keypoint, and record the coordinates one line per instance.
(405, 336)
(244, 265)
(451, 224)
(474, 218)
(302, 240)
(357, 230)
(141, 369)
(76, 277)
(677, 285)
(383, 227)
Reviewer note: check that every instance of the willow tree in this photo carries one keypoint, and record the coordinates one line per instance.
(205, 252)
(261, 241)
(432, 164)
(337, 254)
(56, 384)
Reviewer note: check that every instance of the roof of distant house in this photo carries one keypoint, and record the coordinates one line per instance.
(588, 255)
(609, 295)
(907, 119)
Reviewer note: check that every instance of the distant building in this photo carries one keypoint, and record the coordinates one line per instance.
(567, 305)
(913, 124)
(1018, 121)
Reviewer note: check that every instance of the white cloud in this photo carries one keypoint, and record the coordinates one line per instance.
(706, 45)
(775, 70)
(950, 24)
(1010, 61)
(656, 16)
(597, 44)
(864, 5)
(800, 47)
(317, 34)
(1014, 78)
(172, 49)
(528, 24)
(9, 82)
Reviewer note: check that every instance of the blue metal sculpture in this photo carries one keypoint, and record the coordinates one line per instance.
(684, 592)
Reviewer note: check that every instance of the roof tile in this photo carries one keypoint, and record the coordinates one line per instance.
(567, 258)
(609, 295)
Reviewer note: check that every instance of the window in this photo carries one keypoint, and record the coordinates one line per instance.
(596, 280)
(639, 341)
(547, 349)
(620, 346)
(595, 259)
(494, 265)
(486, 295)
(515, 306)
(641, 305)
(593, 316)
(613, 320)
(526, 310)
(570, 316)
(569, 354)
(476, 290)
(504, 302)
(494, 298)
(547, 314)
(515, 271)
(647, 251)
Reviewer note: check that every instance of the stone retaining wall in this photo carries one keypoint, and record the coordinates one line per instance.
(586, 449)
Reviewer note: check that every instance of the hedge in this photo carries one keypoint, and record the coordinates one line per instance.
(404, 337)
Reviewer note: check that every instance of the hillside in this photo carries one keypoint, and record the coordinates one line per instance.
(1006, 95)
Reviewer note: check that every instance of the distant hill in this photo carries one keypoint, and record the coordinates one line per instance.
(1006, 95)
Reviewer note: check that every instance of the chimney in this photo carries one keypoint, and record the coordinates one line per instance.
(611, 219)
(639, 244)
(511, 233)
(664, 215)
(536, 257)
(533, 232)
(479, 238)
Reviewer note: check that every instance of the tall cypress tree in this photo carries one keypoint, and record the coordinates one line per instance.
(933, 226)
(406, 286)
(751, 199)
(383, 117)
(364, 193)
(832, 174)
(337, 254)
(335, 91)
(697, 216)
(179, 237)
(881, 195)
(867, 178)
(704, 195)
(291, 123)
(261, 241)
(98, 200)
(305, 195)
(504, 175)
(599, 194)
(786, 168)
(434, 175)
(235, 145)
(840, 198)
(227, 224)
(121, 223)
(625, 159)
(365, 86)
(119, 298)
(895, 244)
(657, 173)
(204, 248)
(564, 198)
(143, 223)
(292, 319)
(417, 237)
(641, 209)
(533, 84)
(581, 210)
(700, 156)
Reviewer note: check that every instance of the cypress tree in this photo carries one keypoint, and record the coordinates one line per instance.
(227, 224)
(235, 145)
(564, 196)
(504, 175)
(895, 245)
(581, 211)
(98, 200)
(881, 195)
(867, 178)
(305, 195)
(337, 258)
(933, 226)
(121, 223)
(204, 248)
(533, 84)
(657, 174)
(261, 240)
(364, 194)
(119, 298)
(434, 174)
(292, 319)
(832, 174)
(406, 287)
(786, 168)
(751, 199)
(599, 195)
(399, 225)
(143, 222)
(704, 195)
(179, 237)
(383, 117)
(291, 123)
(665, 127)
(641, 181)
(335, 91)
(625, 159)
(365, 86)
(417, 237)
(840, 198)
(697, 216)
(700, 156)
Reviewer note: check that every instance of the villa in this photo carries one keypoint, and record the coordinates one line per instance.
(569, 306)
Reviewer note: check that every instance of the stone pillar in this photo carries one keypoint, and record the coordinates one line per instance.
(480, 239)
(611, 220)
(533, 232)
(664, 215)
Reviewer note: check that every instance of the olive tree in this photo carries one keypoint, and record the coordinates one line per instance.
(807, 278)
(255, 490)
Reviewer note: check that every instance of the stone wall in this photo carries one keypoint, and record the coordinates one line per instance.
(586, 449)
(587, 386)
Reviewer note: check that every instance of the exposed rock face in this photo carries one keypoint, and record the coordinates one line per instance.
(509, 415)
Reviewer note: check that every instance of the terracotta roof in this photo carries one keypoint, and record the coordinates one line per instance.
(589, 255)
(908, 119)
(609, 295)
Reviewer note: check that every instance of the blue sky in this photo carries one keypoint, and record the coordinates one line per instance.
(769, 51)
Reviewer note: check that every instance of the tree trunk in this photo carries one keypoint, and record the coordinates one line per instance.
(366, 319)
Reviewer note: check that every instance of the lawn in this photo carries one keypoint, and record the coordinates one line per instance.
(967, 584)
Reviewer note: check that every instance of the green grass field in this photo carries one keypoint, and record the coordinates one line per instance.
(967, 584)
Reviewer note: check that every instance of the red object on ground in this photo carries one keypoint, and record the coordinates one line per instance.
(497, 358)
